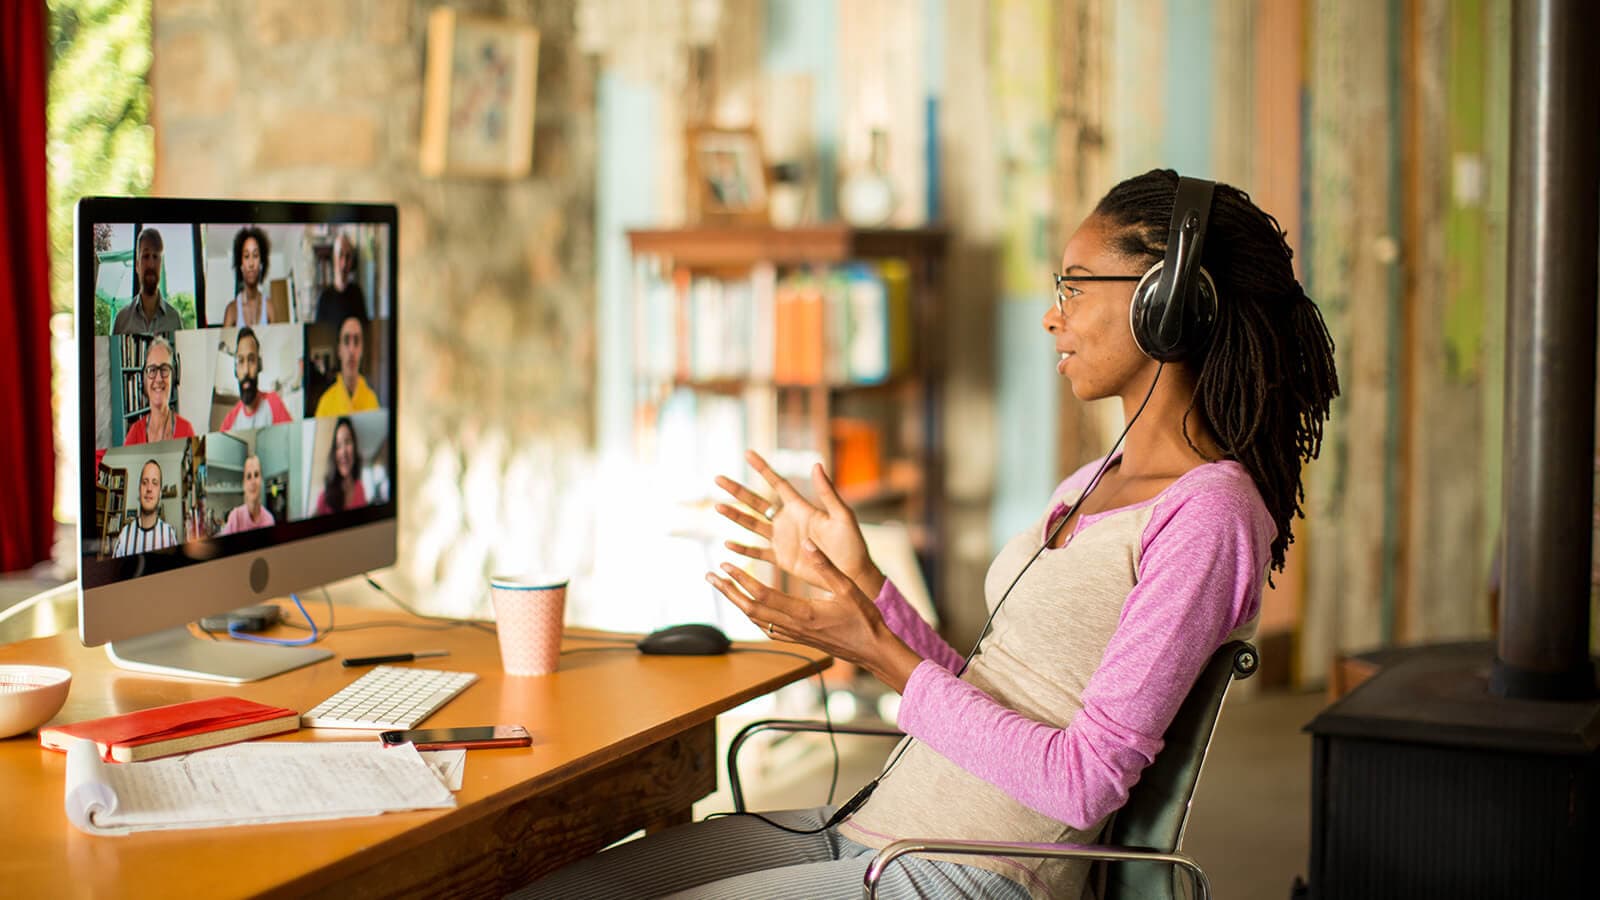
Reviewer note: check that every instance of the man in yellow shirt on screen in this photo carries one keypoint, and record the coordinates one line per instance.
(349, 392)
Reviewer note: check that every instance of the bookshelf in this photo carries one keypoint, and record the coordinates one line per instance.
(809, 344)
(110, 501)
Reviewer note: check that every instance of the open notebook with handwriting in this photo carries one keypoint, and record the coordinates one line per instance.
(246, 784)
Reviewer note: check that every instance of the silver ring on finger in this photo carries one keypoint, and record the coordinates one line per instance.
(772, 629)
(772, 510)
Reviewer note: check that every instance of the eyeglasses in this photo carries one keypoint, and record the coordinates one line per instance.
(1061, 285)
(163, 371)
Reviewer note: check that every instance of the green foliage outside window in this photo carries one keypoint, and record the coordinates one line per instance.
(97, 116)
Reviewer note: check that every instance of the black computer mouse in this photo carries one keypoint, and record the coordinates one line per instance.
(686, 640)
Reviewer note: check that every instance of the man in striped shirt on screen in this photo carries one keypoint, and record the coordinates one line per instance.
(149, 531)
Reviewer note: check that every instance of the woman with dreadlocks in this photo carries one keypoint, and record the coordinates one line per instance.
(1143, 563)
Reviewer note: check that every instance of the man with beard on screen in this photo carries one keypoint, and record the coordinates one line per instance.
(149, 312)
(256, 408)
(149, 531)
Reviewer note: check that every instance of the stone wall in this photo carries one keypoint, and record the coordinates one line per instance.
(285, 99)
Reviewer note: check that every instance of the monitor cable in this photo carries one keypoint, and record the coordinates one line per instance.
(316, 635)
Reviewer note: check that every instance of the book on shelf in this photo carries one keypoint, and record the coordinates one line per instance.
(133, 348)
(175, 728)
(838, 325)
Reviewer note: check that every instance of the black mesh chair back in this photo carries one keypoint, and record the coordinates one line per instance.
(1158, 806)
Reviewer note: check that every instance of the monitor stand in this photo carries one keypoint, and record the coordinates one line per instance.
(177, 652)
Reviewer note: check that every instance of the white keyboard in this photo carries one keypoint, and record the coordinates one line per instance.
(388, 698)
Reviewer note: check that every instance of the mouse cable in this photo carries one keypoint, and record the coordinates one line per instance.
(361, 626)
(608, 648)
(854, 803)
(470, 623)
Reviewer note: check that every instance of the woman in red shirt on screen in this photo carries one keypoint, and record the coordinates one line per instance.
(342, 489)
(162, 423)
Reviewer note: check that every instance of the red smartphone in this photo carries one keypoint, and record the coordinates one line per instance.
(474, 738)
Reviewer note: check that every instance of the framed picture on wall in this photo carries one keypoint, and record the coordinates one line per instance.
(478, 96)
(727, 176)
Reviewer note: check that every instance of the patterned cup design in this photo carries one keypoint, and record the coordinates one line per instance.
(529, 616)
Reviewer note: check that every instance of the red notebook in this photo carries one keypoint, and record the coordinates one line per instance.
(178, 728)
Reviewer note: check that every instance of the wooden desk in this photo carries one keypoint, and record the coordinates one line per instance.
(622, 741)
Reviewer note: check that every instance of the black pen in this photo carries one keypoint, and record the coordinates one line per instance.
(393, 657)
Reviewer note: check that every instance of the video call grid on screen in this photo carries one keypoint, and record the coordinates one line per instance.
(251, 401)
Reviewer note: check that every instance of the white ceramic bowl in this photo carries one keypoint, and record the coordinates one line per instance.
(30, 696)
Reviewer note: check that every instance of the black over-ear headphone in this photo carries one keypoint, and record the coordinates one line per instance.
(1175, 304)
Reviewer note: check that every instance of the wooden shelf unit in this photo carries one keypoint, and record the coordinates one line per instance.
(904, 407)
(110, 501)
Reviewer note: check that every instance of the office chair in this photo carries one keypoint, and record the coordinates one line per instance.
(1143, 837)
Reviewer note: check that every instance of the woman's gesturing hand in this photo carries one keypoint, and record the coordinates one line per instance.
(844, 623)
(790, 519)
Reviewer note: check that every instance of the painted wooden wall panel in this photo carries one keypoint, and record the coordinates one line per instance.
(1137, 132)
(1082, 175)
(970, 186)
(1278, 64)
(1444, 591)
(1495, 29)
(1352, 254)
(1233, 134)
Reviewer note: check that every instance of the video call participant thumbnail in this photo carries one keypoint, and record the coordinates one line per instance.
(250, 255)
(342, 488)
(343, 298)
(250, 514)
(256, 408)
(162, 423)
(149, 531)
(149, 313)
(349, 392)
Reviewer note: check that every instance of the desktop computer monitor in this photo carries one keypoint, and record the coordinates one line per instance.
(237, 390)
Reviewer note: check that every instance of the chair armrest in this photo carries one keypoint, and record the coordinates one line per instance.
(886, 856)
(788, 726)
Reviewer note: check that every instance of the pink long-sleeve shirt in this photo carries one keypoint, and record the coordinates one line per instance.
(1086, 664)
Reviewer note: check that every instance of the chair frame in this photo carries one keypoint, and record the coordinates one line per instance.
(1241, 659)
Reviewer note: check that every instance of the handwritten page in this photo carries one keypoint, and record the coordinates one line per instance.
(247, 784)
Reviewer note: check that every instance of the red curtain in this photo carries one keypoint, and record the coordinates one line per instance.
(27, 451)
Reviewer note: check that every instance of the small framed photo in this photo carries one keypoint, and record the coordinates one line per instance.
(478, 94)
(727, 177)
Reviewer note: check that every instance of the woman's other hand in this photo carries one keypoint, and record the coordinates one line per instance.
(844, 623)
(790, 520)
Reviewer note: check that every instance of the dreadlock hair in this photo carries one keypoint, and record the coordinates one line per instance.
(1266, 377)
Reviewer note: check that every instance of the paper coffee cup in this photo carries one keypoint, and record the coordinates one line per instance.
(528, 616)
